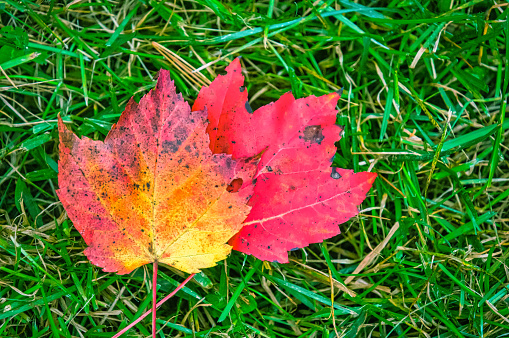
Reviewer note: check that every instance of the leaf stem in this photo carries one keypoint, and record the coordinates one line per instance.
(124, 330)
(154, 299)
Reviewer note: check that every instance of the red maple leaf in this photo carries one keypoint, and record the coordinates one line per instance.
(297, 200)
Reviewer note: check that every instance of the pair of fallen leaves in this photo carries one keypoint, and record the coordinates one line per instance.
(174, 185)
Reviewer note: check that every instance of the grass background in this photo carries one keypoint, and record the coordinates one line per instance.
(425, 94)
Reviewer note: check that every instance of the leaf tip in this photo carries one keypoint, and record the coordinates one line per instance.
(234, 66)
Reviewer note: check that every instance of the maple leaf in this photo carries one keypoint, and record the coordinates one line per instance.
(234, 130)
(297, 199)
(291, 211)
(153, 191)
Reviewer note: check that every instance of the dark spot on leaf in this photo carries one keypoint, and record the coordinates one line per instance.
(171, 146)
(269, 169)
(248, 108)
(313, 134)
(335, 175)
(234, 185)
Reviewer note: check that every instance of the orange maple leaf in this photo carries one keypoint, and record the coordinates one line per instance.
(153, 191)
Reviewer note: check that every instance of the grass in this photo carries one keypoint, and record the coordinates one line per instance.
(424, 105)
